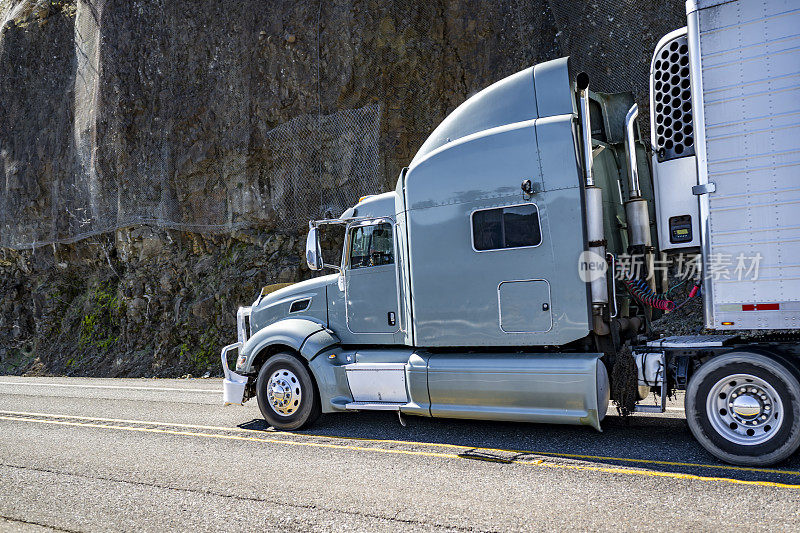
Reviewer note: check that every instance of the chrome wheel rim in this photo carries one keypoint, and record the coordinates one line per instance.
(284, 392)
(744, 409)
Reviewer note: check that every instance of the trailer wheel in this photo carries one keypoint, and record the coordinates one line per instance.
(744, 408)
(286, 394)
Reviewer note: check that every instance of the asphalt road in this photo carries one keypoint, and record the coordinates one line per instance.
(81, 454)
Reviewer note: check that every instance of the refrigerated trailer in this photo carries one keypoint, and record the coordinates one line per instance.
(486, 286)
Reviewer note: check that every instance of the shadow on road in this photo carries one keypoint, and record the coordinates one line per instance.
(654, 443)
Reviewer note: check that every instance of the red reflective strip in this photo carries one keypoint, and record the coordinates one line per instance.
(761, 307)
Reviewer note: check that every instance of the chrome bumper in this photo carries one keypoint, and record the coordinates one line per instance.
(234, 384)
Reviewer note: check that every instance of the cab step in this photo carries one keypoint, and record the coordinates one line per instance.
(375, 406)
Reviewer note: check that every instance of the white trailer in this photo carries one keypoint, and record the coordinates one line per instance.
(725, 121)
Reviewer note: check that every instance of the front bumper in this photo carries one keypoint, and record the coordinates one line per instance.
(234, 384)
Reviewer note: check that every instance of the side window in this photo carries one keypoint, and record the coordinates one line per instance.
(371, 246)
(506, 227)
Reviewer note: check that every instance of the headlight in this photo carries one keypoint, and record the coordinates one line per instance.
(240, 361)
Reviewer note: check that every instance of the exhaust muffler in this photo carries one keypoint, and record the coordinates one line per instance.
(594, 209)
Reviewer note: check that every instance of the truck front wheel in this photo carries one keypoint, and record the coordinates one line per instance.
(744, 408)
(286, 394)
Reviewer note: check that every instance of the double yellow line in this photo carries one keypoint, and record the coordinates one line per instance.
(202, 431)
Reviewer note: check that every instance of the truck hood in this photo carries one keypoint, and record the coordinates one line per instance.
(278, 305)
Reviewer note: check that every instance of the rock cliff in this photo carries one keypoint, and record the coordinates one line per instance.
(160, 158)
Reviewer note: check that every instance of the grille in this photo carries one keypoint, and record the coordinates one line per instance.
(672, 101)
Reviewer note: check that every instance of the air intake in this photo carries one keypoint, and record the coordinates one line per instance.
(672, 112)
(672, 137)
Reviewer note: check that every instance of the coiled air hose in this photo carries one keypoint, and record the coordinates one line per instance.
(642, 292)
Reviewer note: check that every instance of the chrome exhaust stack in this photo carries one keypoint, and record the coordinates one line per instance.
(636, 207)
(594, 210)
(636, 210)
(586, 127)
(630, 150)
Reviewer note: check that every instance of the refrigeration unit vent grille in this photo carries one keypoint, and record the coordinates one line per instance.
(672, 101)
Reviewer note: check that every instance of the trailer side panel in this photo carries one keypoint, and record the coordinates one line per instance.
(749, 131)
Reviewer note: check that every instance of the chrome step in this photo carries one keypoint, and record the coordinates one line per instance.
(375, 406)
(691, 341)
(648, 409)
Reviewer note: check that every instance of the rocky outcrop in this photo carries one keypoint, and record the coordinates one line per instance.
(140, 302)
(160, 158)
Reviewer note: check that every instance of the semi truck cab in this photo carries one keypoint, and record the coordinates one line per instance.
(470, 263)
(484, 285)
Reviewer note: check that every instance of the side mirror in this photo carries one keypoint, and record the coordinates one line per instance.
(313, 251)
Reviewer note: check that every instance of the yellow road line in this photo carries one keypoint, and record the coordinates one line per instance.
(417, 443)
(539, 462)
(657, 462)
(148, 422)
(111, 387)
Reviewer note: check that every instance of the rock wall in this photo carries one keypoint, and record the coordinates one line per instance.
(160, 158)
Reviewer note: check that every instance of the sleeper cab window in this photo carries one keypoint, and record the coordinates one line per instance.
(371, 246)
(506, 227)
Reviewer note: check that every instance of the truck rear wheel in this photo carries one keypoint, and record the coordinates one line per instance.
(744, 408)
(286, 394)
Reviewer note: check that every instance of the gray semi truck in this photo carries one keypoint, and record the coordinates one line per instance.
(490, 283)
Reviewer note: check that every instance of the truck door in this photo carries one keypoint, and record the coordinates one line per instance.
(371, 278)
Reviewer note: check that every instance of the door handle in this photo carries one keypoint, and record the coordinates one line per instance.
(391, 318)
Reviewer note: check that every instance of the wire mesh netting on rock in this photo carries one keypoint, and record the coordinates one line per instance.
(613, 41)
(311, 166)
(213, 116)
(152, 130)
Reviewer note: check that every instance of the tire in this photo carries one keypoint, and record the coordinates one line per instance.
(744, 408)
(293, 401)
